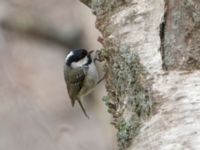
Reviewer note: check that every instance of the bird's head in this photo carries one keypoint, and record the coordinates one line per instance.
(78, 58)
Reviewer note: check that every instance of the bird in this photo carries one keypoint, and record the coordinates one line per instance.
(80, 74)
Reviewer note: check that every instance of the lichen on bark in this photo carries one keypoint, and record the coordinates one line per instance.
(128, 98)
(135, 78)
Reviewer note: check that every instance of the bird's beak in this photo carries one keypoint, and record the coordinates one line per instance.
(90, 52)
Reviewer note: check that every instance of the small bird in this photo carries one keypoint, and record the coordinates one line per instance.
(80, 75)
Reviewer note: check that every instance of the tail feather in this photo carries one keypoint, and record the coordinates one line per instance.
(73, 102)
(83, 109)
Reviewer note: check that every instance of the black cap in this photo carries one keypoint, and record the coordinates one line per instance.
(77, 54)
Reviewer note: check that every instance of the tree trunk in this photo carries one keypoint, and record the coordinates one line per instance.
(152, 53)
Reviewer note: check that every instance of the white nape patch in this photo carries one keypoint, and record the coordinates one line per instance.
(69, 55)
(80, 63)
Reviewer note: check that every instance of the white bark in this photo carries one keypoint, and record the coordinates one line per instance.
(175, 125)
(134, 29)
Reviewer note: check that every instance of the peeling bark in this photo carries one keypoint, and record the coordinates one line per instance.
(151, 108)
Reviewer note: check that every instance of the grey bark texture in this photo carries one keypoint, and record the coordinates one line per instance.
(181, 39)
(152, 50)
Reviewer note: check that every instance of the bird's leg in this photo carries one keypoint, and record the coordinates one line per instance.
(98, 59)
(101, 78)
(98, 56)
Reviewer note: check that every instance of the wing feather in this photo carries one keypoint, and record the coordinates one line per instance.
(74, 79)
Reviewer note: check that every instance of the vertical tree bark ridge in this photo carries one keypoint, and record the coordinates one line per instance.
(182, 41)
(129, 28)
(136, 84)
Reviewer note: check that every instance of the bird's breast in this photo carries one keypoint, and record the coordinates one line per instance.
(90, 80)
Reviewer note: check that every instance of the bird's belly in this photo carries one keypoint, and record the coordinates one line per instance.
(90, 81)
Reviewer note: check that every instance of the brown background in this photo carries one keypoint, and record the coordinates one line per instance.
(35, 111)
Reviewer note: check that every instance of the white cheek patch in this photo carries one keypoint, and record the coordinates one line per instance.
(80, 63)
(69, 55)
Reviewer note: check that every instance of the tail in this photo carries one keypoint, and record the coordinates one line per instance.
(83, 109)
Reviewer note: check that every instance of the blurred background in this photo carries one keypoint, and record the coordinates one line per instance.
(35, 110)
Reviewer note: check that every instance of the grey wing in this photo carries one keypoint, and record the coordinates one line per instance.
(74, 79)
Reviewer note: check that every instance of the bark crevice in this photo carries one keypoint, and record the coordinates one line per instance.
(162, 36)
